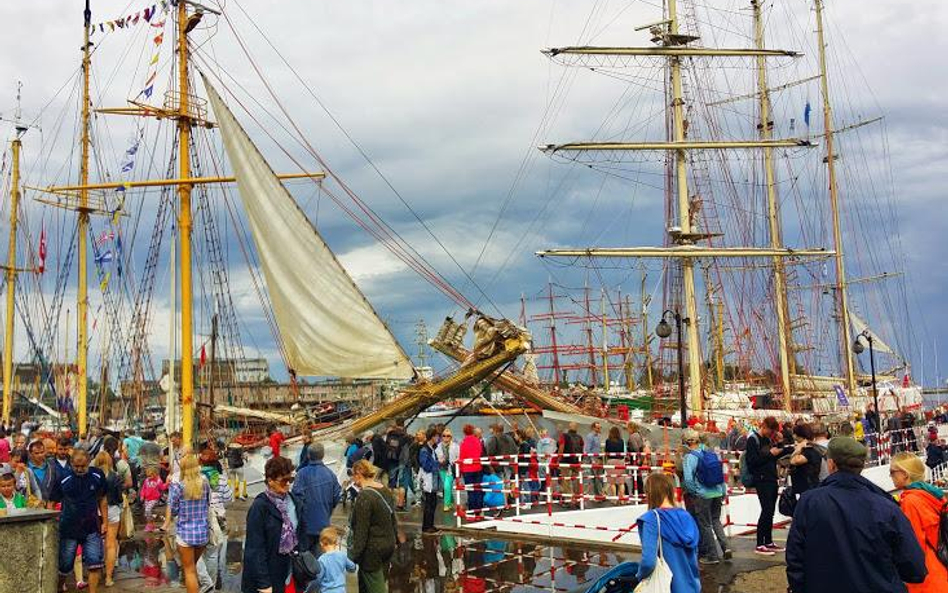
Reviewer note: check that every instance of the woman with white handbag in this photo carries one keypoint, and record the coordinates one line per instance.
(669, 537)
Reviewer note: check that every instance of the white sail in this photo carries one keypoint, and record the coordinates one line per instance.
(877, 344)
(326, 324)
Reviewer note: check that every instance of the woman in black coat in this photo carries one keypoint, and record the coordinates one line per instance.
(272, 528)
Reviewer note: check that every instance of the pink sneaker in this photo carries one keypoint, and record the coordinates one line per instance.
(764, 551)
(81, 585)
(775, 548)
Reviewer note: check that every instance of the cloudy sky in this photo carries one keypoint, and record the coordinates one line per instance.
(449, 100)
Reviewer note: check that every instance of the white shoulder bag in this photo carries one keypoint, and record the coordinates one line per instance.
(660, 581)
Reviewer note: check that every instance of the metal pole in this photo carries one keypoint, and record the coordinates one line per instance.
(681, 375)
(872, 368)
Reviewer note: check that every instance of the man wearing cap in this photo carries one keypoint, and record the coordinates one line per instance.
(704, 501)
(849, 534)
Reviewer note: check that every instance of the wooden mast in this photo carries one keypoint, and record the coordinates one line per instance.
(605, 343)
(765, 128)
(184, 229)
(11, 280)
(82, 295)
(842, 299)
(684, 217)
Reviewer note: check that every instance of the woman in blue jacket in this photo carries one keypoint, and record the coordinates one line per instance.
(679, 536)
(272, 532)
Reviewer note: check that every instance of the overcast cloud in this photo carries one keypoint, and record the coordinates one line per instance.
(446, 98)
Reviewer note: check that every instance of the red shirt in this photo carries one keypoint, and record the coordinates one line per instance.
(471, 449)
(275, 440)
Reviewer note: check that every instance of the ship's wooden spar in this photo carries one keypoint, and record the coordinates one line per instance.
(511, 381)
(419, 397)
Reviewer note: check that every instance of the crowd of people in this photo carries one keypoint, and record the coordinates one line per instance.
(291, 544)
(100, 483)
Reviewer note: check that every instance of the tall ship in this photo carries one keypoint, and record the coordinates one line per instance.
(778, 259)
(762, 179)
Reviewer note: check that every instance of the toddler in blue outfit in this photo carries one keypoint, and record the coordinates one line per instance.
(333, 564)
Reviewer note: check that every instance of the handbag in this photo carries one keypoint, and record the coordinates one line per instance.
(32, 501)
(787, 502)
(127, 522)
(660, 581)
(216, 535)
(305, 567)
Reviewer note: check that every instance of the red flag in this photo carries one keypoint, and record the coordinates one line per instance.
(42, 251)
(905, 381)
(203, 358)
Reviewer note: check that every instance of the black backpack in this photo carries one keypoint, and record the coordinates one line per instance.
(393, 448)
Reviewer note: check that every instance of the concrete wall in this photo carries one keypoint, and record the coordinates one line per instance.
(29, 547)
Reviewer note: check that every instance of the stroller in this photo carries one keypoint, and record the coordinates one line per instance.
(619, 579)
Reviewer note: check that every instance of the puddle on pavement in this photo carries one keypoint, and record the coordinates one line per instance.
(442, 564)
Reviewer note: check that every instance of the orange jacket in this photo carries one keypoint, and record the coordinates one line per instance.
(922, 510)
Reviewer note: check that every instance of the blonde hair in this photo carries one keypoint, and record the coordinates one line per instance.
(911, 464)
(191, 477)
(103, 461)
(365, 469)
(329, 537)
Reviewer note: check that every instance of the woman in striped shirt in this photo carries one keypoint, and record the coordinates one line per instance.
(189, 500)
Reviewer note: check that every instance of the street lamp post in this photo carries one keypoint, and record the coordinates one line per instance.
(663, 331)
(858, 348)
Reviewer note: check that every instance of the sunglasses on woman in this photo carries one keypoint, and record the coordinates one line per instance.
(285, 480)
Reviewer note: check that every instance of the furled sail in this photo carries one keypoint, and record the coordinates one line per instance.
(327, 326)
(860, 326)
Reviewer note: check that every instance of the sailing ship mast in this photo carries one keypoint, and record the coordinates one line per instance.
(184, 224)
(673, 45)
(842, 298)
(765, 126)
(11, 271)
(82, 234)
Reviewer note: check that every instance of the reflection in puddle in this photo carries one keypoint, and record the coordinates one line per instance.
(444, 564)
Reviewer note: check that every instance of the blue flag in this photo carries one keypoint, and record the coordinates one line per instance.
(806, 113)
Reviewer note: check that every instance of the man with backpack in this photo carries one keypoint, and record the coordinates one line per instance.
(705, 487)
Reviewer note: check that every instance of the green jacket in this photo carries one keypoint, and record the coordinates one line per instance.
(373, 526)
(19, 501)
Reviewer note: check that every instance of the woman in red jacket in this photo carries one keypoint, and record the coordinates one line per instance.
(922, 503)
(470, 459)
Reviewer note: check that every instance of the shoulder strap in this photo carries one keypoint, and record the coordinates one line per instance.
(658, 523)
(382, 498)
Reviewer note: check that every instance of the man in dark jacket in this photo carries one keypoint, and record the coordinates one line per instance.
(318, 492)
(850, 535)
(761, 458)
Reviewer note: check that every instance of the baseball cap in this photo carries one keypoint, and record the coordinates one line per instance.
(842, 449)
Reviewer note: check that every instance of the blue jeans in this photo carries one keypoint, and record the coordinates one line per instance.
(91, 553)
(475, 498)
